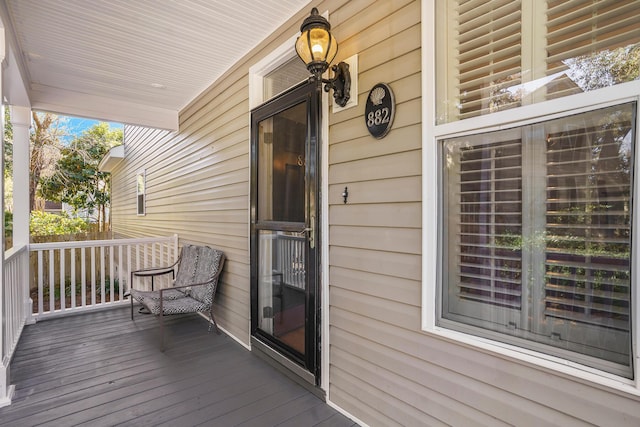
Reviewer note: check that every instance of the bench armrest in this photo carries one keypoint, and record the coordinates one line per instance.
(153, 272)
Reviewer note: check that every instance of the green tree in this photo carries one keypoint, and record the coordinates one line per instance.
(8, 172)
(46, 224)
(8, 144)
(44, 149)
(77, 180)
(605, 68)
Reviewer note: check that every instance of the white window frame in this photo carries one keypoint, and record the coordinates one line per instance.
(431, 198)
(142, 174)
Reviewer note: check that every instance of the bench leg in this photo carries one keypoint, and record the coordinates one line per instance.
(161, 318)
(213, 320)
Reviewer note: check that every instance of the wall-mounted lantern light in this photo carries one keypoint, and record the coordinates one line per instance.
(317, 47)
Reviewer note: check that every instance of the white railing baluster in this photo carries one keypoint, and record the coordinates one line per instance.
(120, 274)
(83, 276)
(52, 281)
(111, 278)
(40, 283)
(73, 277)
(102, 276)
(154, 254)
(129, 265)
(63, 295)
(93, 275)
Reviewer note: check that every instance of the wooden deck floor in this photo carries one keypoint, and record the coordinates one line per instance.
(102, 369)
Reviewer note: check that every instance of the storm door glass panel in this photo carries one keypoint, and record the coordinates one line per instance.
(281, 287)
(282, 243)
(281, 166)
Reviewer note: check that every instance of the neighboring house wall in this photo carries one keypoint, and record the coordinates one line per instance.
(384, 369)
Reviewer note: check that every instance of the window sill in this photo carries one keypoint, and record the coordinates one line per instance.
(540, 361)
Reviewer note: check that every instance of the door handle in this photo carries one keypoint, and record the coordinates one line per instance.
(312, 232)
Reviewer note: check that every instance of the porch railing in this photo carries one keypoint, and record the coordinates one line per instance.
(14, 298)
(13, 313)
(291, 260)
(68, 277)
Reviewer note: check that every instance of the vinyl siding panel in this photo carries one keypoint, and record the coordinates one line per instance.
(375, 238)
(479, 381)
(197, 187)
(383, 368)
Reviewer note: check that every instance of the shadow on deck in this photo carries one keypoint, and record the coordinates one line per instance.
(103, 369)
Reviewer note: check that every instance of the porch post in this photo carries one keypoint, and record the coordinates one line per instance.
(21, 121)
(6, 390)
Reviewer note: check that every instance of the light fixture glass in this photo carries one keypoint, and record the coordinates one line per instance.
(317, 48)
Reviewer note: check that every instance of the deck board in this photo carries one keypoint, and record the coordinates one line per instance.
(102, 369)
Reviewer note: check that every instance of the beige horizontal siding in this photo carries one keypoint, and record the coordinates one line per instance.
(404, 189)
(375, 238)
(406, 402)
(197, 187)
(509, 391)
(383, 369)
(382, 215)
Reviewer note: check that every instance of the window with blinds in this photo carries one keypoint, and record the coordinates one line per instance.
(141, 193)
(537, 236)
(488, 61)
(488, 223)
(502, 54)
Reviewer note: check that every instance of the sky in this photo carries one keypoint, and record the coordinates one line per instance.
(76, 125)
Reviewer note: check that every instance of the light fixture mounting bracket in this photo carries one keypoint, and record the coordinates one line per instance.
(340, 83)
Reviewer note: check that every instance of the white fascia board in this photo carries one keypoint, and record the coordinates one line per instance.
(78, 104)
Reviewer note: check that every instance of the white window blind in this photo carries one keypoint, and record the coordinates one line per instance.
(591, 44)
(589, 224)
(505, 53)
(488, 59)
(537, 236)
(489, 223)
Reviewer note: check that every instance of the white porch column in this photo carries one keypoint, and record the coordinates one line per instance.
(21, 121)
(6, 390)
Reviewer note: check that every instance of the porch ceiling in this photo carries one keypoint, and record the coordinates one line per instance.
(136, 62)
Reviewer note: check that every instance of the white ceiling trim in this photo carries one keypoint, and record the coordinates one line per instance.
(136, 62)
(65, 102)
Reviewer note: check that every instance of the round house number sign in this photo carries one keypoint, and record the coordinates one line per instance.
(379, 110)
